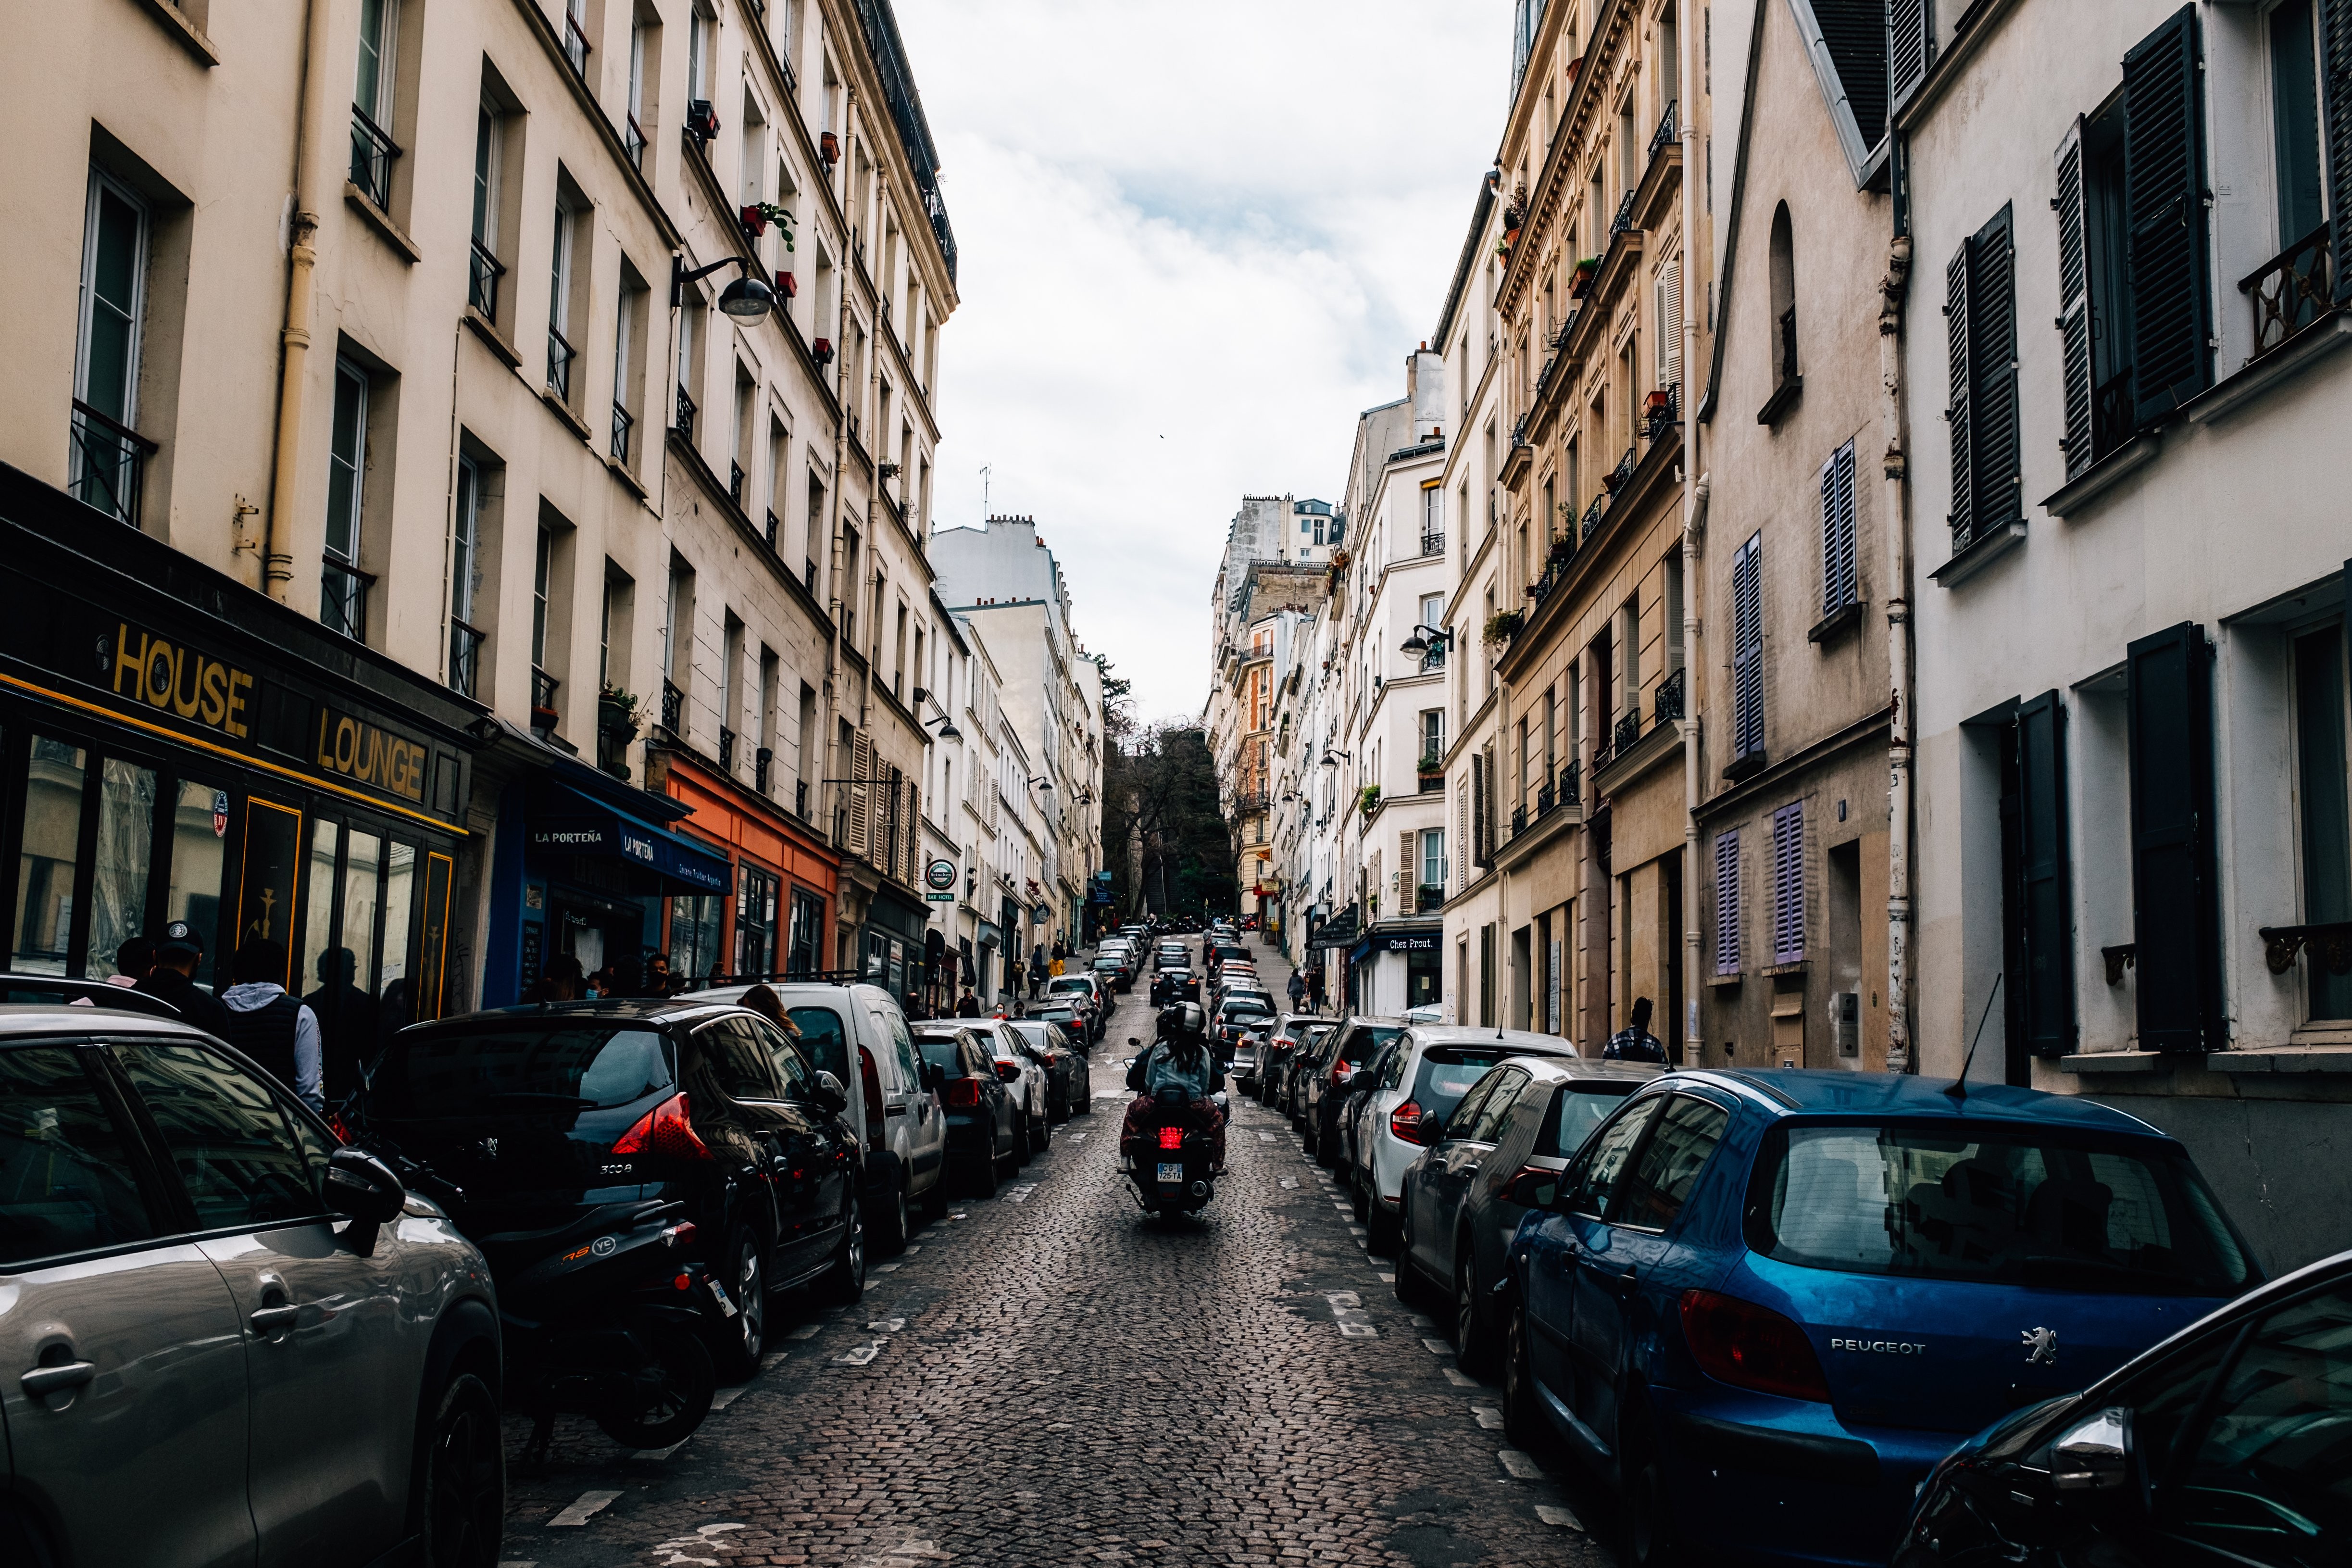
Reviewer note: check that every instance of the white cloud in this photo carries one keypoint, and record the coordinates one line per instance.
(1195, 241)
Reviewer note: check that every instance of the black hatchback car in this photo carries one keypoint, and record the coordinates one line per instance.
(541, 1113)
(983, 1135)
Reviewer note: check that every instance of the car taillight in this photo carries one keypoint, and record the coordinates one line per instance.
(1749, 1346)
(335, 1125)
(960, 1094)
(1340, 1072)
(1406, 1121)
(664, 1131)
(1171, 1138)
(679, 1235)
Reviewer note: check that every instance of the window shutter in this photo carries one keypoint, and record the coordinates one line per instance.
(1669, 323)
(2074, 303)
(1408, 874)
(861, 794)
(914, 821)
(1462, 849)
(1788, 883)
(1838, 585)
(2335, 89)
(1748, 650)
(1910, 47)
(2045, 992)
(1955, 412)
(1726, 903)
(2164, 218)
(1993, 364)
(2174, 914)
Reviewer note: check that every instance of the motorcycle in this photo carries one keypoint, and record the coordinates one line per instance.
(603, 1317)
(1171, 1158)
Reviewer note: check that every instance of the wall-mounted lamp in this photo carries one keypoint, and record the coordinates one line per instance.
(1426, 639)
(1331, 757)
(746, 299)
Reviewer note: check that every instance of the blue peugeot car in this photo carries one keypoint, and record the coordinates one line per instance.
(1763, 1304)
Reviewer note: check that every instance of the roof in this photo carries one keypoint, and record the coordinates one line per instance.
(29, 1019)
(1855, 34)
(1826, 1091)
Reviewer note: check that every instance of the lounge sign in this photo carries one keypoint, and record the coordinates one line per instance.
(370, 754)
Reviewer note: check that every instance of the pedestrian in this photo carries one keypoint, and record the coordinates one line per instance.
(173, 979)
(760, 999)
(601, 983)
(1055, 969)
(657, 981)
(559, 982)
(271, 1026)
(1634, 1043)
(1060, 953)
(968, 1004)
(346, 1018)
(133, 960)
(1037, 970)
(1298, 989)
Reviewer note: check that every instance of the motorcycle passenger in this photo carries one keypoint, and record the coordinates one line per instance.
(1178, 1056)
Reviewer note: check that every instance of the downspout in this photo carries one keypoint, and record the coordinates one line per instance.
(1896, 483)
(294, 336)
(1695, 494)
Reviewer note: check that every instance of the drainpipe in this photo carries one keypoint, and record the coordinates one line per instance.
(1694, 495)
(1895, 470)
(276, 560)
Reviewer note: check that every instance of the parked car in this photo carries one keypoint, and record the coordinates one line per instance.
(1409, 1101)
(1349, 1047)
(896, 1117)
(1084, 991)
(1025, 1074)
(1170, 985)
(1305, 1063)
(1762, 1305)
(1053, 1046)
(1113, 971)
(58, 991)
(1240, 1015)
(1457, 1219)
(228, 1337)
(1347, 1099)
(540, 1114)
(1273, 1061)
(2226, 1444)
(984, 1141)
(1172, 955)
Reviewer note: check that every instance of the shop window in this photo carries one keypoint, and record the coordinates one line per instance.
(126, 837)
(755, 921)
(49, 860)
(397, 909)
(199, 826)
(807, 933)
(694, 930)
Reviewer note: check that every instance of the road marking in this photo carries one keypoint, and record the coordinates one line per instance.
(1523, 1466)
(1437, 1347)
(1486, 1415)
(1358, 1231)
(772, 1358)
(1266, 1137)
(1342, 1299)
(1384, 1278)
(584, 1508)
(1459, 1378)
(727, 1396)
(806, 1332)
(701, 1541)
(1020, 1194)
(886, 1268)
(858, 1356)
(1290, 1183)
(1549, 1514)
(909, 1250)
(1076, 1137)
(1359, 1330)
(887, 1325)
(517, 1565)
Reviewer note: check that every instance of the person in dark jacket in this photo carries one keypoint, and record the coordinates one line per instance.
(272, 1028)
(346, 1018)
(173, 979)
(968, 1004)
(1635, 1043)
(133, 960)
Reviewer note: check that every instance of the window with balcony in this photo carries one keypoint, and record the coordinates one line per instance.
(372, 149)
(562, 353)
(342, 596)
(466, 637)
(643, 32)
(543, 685)
(485, 268)
(629, 319)
(109, 456)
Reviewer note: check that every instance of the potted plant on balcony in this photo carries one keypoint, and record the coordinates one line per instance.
(1368, 800)
(1429, 895)
(1502, 626)
(1581, 284)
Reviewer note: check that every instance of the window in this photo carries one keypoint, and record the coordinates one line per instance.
(807, 932)
(2326, 826)
(1432, 612)
(1670, 323)
(1747, 653)
(1726, 903)
(2176, 915)
(482, 289)
(694, 924)
(464, 579)
(226, 1133)
(624, 328)
(107, 452)
(1910, 45)
(541, 564)
(2268, 1466)
(1432, 735)
(1788, 883)
(342, 600)
(68, 1175)
(1980, 331)
(1783, 268)
(1432, 858)
(1839, 587)
(1611, 1148)
(559, 352)
(755, 920)
(634, 138)
(371, 99)
(1671, 1163)
(2295, 117)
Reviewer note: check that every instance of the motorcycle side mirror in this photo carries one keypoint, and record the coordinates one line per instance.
(2094, 1455)
(1134, 1040)
(827, 1092)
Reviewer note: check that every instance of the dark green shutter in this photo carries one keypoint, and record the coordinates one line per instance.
(2175, 910)
(1955, 412)
(2164, 216)
(2074, 303)
(1910, 49)
(2046, 989)
(1993, 364)
(2335, 89)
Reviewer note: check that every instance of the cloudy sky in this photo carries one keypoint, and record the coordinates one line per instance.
(1195, 240)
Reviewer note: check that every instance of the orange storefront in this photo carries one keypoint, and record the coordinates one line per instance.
(778, 919)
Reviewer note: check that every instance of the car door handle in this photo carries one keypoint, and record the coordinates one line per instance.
(895, 1110)
(44, 1380)
(269, 1321)
(1611, 1281)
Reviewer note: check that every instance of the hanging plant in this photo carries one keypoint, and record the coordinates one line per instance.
(1370, 799)
(616, 712)
(1502, 626)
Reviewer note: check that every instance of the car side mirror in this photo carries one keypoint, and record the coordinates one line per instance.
(1009, 1072)
(2094, 1455)
(827, 1092)
(1534, 1189)
(362, 1187)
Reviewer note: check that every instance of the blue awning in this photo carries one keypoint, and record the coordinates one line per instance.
(579, 826)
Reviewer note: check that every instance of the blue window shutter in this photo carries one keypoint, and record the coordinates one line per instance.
(1726, 903)
(1839, 587)
(1788, 883)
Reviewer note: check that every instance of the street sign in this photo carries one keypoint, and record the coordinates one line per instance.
(940, 897)
(941, 874)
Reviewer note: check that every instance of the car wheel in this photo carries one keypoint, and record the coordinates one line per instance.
(1381, 1232)
(1023, 1146)
(894, 1224)
(935, 1197)
(737, 1345)
(983, 1175)
(1041, 1132)
(464, 1484)
(1472, 1353)
(843, 1284)
(1523, 1424)
(1647, 1518)
(1359, 1199)
(687, 1385)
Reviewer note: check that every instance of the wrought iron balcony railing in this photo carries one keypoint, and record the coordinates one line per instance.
(371, 155)
(735, 482)
(1428, 896)
(774, 528)
(109, 464)
(2291, 291)
(1666, 701)
(560, 355)
(343, 598)
(800, 799)
(622, 423)
(1433, 542)
(726, 750)
(1668, 128)
(684, 423)
(484, 271)
(673, 713)
(1624, 222)
(1628, 731)
(1666, 412)
(464, 658)
(633, 141)
(543, 686)
(762, 763)
(1571, 779)
(1518, 820)
(1592, 515)
(1544, 799)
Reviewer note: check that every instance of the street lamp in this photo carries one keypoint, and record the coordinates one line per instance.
(1425, 638)
(1041, 782)
(1331, 757)
(746, 299)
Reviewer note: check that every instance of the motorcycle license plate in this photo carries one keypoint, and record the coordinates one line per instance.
(1171, 1170)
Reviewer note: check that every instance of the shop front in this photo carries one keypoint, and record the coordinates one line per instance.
(891, 948)
(1395, 968)
(175, 746)
(770, 922)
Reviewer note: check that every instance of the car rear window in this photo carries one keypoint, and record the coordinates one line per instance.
(2022, 1206)
(1581, 1108)
(469, 1072)
(939, 1051)
(824, 1040)
(1447, 1072)
(1363, 1042)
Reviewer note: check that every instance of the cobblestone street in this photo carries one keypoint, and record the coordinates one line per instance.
(1050, 1377)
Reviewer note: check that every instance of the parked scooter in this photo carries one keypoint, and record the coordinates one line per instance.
(603, 1317)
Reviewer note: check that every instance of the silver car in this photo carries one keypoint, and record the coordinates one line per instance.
(221, 1329)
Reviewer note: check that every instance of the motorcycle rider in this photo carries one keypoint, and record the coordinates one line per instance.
(1180, 1055)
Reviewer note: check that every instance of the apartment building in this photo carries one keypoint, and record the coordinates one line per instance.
(501, 462)
(2131, 703)
(1806, 568)
(1257, 645)
(1596, 731)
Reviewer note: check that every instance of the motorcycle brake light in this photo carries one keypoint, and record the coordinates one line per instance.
(664, 1131)
(1171, 1138)
(684, 1282)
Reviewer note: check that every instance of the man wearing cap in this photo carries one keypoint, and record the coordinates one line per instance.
(173, 979)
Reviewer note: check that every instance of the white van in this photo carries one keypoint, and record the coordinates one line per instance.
(897, 1115)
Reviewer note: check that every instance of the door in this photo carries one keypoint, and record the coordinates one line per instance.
(1469, 1139)
(1557, 1356)
(1623, 1243)
(332, 1349)
(121, 1368)
(750, 1076)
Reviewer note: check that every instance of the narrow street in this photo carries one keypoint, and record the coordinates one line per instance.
(1050, 1377)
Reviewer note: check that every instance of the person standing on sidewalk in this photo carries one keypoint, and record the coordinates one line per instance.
(1297, 990)
(173, 979)
(271, 1026)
